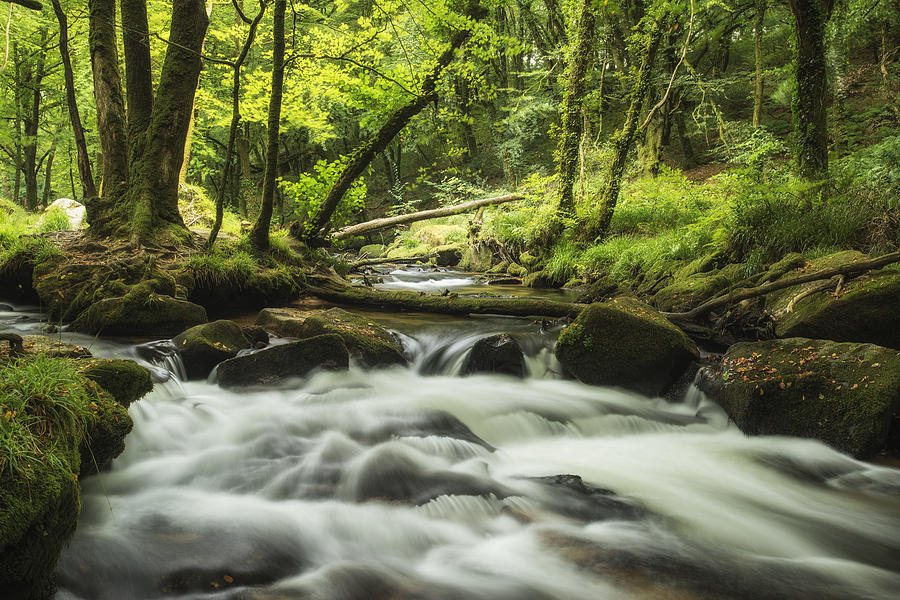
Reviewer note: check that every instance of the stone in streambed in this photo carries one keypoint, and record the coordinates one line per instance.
(625, 343)
(204, 346)
(283, 322)
(844, 394)
(368, 342)
(278, 363)
(496, 354)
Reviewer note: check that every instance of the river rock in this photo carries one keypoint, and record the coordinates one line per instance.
(844, 394)
(625, 343)
(278, 363)
(865, 309)
(372, 251)
(125, 380)
(283, 322)
(496, 354)
(687, 292)
(368, 342)
(257, 336)
(204, 346)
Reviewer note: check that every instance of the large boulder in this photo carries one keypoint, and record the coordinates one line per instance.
(74, 211)
(496, 354)
(369, 343)
(275, 364)
(864, 310)
(204, 346)
(283, 322)
(845, 394)
(625, 343)
(689, 291)
(125, 380)
(141, 312)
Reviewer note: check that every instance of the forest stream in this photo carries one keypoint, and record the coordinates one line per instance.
(415, 482)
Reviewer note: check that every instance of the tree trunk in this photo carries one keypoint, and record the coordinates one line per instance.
(387, 222)
(48, 171)
(363, 155)
(84, 162)
(138, 73)
(227, 169)
(808, 104)
(109, 102)
(153, 193)
(259, 235)
(757, 44)
(623, 140)
(572, 119)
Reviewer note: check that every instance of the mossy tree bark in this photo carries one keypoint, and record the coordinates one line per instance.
(259, 235)
(572, 129)
(623, 140)
(758, 55)
(88, 189)
(808, 104)
(142, 161)
(31, 82)
(227, 168)
(363, 155)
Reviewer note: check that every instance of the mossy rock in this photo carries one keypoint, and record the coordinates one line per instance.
(686, 293)
(788, 263)
(599, 290)
(17, 277)
(542, 280)
(283, 322)
(373, 250)
(449, 255)
(844, 394)
(48, 346)
(530, 261)
(864, 311)
(477, 259)
(625, 343)
(276, 364)
(204, 346)
(499, 353)
(369, 343)
(262, 287)
(105, 437)
(124, 379)
(704, 264)
(38, 516)
(151, 315)
(500, 267)
(516, 270)
(403, 251)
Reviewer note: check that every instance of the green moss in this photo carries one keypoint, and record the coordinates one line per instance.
(125, 380)
(204, 346)
(150, 314)
(627, 343)
(844, 394)
(367, 341)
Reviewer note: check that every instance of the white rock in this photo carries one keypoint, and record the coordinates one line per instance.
(74, 210)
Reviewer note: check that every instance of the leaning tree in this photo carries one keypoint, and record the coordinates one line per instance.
(143, 146)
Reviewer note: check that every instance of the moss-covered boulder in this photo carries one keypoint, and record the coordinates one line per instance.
(687, 292)
(48, 346)
(141, 312)
(283, 322)
(276, 364)
(368, 342)
(499, 353)
(844, 394)
(449, 255)
(625, 343)
(372, 250)
(125, 380)
(56, 425)
(863, 310)
(543, 280)
(204, 346)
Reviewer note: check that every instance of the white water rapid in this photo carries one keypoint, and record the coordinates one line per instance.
(415, 483)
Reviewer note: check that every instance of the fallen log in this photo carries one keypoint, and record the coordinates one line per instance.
(32, 4)
(386, 222)
(335, 290)
(747, 293)
(367, 262)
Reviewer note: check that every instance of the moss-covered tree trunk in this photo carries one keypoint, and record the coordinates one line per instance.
(363, 155)
(88, 189)
(808, 104)
(623, 139)
(109, 102)
(758, 56)
(138, 74)
(259, 235)
(572, 118)
(31, 119)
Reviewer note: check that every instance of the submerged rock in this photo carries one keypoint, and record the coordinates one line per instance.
(496, 354)
(278, 363)
(368, 342)
(202, 347)
(864, 310)
(844, 394)
(625, 343)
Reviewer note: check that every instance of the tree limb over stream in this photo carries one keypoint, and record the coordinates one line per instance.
(386, 222)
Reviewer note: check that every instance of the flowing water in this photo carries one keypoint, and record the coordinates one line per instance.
(415, 483)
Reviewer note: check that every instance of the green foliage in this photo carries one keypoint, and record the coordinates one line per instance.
(54, 219)
(307, 191)
(44, 403)
(754, 148)
(228, 263)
